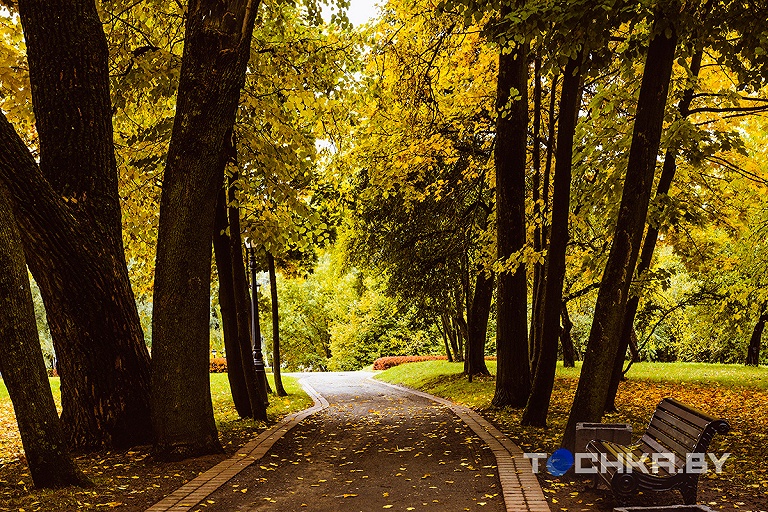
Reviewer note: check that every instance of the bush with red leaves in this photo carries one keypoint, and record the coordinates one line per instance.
(218, 365)
(383, 363)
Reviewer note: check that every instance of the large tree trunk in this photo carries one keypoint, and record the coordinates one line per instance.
(513, 377)
(538, 403)
(649, 245)
(216, 52)
(753, 351)
(223, 254)
(275, 326)
(589, 402)
(23, 369)
(69, 213)
(479, 311)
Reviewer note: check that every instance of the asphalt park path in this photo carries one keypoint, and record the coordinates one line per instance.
(374, 448)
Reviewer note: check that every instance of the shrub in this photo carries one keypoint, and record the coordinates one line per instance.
(383, 363)
(218, 365)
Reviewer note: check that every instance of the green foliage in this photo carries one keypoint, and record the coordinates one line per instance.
(374, 327)
(333, 319)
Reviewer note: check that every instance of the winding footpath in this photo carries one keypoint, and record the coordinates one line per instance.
(367, 446)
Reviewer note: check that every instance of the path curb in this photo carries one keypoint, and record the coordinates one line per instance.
(519, 484)
(196, 490)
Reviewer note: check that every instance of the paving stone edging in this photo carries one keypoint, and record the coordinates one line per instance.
(196, 490)
(519, 484)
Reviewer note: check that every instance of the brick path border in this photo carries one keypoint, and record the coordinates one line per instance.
(520, 487)
(196, 490)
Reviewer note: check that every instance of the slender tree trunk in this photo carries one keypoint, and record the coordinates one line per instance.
(569, 351)
(592, 391)
(216, 52)
(538, 268)
(513, 377)
(243, 307)
(221, 249)
(649, 245)
(69, 213)
(444, 334)
(535, 412)
(23, 369)
(753, 351)
(275, 327)
(479, 312)
(452, 336)
(537, 309)
(633, 348)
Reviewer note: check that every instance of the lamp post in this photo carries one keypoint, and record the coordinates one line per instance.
(258, 357)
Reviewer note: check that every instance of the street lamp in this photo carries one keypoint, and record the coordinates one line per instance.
(258, 357)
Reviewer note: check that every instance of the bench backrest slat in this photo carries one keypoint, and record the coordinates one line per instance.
(668, 440)
(688, 434)
(649, 445)
(694, 417)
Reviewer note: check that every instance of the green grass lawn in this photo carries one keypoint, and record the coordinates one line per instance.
(727, 375)
(223, 409)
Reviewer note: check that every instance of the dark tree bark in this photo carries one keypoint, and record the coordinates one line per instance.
(569, 351)
(753, 351)
(223, 254)
(69, 213)
(649, 245)
(243, 308)
(279, 389)
(23, 369)
(477, 324)
(538, 246)
(589, 402)
(216, 52)
(513, 377)
(535, 412)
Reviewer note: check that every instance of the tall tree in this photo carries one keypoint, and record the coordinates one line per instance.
(649, 243)
(589, 402)
(538, 402)
(279, 389)
(243, 308)
(513, 377)
(22, 366)
(753, 350)
(227, 304)
(69, 213)
(216, 53)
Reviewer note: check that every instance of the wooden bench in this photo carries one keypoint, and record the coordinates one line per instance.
(675, 429)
